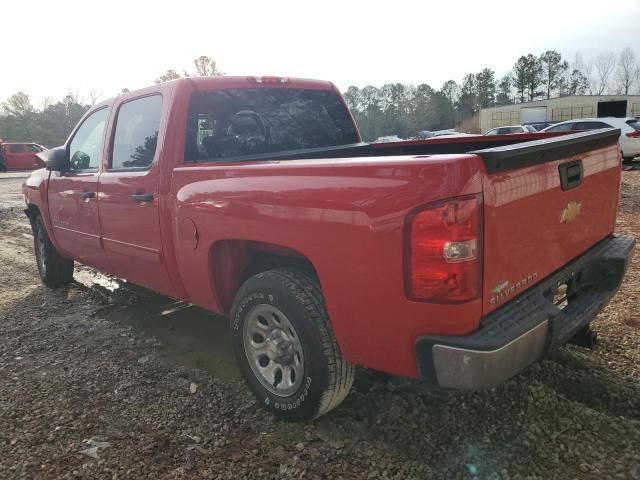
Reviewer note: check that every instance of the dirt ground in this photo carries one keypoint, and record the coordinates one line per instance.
(105, 380)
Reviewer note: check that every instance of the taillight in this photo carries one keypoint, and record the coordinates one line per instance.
(444, 251)
(634, 134)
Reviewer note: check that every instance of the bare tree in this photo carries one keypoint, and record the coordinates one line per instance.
(94, 96)
(628, 71)
(604, 65)
(47, 102)
(73, 97)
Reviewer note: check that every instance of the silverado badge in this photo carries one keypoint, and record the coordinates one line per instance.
(500, 286)
(570, 212)
(504, 289)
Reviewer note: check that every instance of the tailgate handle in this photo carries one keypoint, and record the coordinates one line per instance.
(570, 174)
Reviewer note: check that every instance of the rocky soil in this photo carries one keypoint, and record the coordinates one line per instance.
(105, 380)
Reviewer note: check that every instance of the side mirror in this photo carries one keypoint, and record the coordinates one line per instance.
(56, 159)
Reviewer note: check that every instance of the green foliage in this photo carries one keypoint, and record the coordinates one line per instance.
(397, 109)
(553, 70)
(505, 87)
(205, 67)
(168, 76)
(528, 74)
(50, 126)
(486, 85)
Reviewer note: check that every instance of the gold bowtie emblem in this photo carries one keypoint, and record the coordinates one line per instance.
(570, 212)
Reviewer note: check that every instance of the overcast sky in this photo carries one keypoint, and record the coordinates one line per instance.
(51, 46)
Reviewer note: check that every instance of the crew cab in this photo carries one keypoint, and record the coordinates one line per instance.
(458, 261)
(21, 156)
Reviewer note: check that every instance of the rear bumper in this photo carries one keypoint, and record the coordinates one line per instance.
(528, 327)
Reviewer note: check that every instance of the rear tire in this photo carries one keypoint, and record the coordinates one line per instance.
(285, 346)
(54, 269)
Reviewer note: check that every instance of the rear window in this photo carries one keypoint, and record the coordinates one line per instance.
(635, 124)
(590, 125)
(509, 130)
(230, 123)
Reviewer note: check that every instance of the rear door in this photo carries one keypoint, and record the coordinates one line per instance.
(128, 195)
(546, 203)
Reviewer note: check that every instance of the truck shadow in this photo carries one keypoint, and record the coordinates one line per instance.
(186, 334)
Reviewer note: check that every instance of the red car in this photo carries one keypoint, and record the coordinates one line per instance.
(459, 261)
(21, 156)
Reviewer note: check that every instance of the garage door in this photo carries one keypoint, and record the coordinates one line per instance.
(533, 114)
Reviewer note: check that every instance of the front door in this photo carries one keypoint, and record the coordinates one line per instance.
(34, 150)
(73, 207)
(128, 196)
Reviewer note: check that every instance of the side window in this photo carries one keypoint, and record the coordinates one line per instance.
(34, 148)
(589, 125)
(493, 131)
(565, 127)
(16, 148)
(85, 149)
(137, 125)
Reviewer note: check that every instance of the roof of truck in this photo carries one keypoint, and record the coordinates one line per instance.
(208, 83)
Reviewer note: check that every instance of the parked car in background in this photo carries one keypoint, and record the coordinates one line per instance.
(21, 156)
(629, 131)
(450, 133)
(538, 125)
(511, 129)
(388, 139)
(426, 134)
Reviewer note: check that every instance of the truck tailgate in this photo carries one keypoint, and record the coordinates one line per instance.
(546, 203)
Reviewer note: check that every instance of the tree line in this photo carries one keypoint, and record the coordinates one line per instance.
(51, 124)
(405, 109)
(393, 109)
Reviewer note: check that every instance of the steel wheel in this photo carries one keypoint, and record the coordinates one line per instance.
(273, 349)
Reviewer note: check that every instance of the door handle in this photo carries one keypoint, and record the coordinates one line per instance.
(87, 194)
(142, 197)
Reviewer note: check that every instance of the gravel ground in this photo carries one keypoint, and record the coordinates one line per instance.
(119, 383)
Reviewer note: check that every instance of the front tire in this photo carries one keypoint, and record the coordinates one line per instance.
(54, 269)
(285, 346)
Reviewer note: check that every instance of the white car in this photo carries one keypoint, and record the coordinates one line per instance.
(510, 129)
(450, 133)
(629, 131)
(388, 139)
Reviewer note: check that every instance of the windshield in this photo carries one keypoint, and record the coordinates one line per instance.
(239, 122)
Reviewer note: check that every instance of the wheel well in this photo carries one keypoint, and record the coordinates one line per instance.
(232, 262)
(32, 212)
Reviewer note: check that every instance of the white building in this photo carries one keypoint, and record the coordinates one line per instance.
(559, 109)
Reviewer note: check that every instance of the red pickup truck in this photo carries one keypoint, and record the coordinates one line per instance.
(459, 261)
